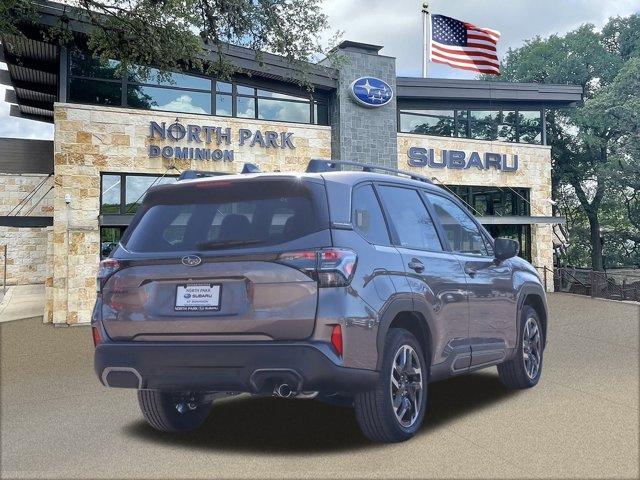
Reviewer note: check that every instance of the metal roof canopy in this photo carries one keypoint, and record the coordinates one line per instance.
(468, 93)
(20, 155)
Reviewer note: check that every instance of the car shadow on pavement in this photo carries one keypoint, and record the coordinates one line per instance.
(272, 425)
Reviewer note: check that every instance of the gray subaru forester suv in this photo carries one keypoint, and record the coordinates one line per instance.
(351, 287)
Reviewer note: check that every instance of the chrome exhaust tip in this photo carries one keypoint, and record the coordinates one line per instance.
(284, 391)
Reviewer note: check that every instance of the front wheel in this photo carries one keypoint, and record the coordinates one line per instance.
(525, 368)
(393, 411)
(171, 412)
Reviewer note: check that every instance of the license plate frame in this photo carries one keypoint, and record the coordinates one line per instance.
(208, 297)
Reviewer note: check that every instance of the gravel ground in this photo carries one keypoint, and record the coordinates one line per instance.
(581, 421)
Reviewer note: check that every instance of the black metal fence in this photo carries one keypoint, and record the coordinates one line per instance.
(613, 284)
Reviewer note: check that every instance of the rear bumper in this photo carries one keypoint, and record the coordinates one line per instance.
(254, 367)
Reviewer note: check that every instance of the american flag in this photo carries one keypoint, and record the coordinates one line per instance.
(463, 45)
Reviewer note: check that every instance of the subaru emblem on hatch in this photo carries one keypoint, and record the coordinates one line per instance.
(191, 260)
(371, 92)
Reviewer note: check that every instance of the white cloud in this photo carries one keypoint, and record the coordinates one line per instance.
(398, 25)
(184, 103)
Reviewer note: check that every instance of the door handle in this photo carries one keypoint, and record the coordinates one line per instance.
(470, 271)
(416, 265)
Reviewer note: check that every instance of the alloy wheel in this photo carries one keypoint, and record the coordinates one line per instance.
(531, 347)
(406, 385)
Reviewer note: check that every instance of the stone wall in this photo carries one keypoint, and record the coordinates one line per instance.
(89, 140)
(361, 134)
(534, 173)
(26, 247)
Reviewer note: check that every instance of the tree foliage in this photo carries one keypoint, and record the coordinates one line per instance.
(175, 34)
(596, 146)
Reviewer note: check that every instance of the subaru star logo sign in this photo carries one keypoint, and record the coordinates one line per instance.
(371, 92)
(191, 260)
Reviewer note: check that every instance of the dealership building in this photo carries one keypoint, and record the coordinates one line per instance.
(64, 202)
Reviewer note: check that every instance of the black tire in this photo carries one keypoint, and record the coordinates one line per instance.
(159, 410)
(513, 373)
(375, 413)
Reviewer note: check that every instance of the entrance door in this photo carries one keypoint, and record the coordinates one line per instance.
(435, 275)
(491, 296)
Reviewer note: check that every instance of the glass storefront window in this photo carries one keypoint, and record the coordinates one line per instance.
(224, 87)
(529, 127)
(95, 92)
(246, 107)
(321, 113)
(111, 194)
(462, 121)
(84, 64)
(94, 82)
(281, 110)
(157, 98)
(137, 185)
(483, 125)
(502, 125)
(224, 105)
(242, 90)
(179, 80)
(428, 122)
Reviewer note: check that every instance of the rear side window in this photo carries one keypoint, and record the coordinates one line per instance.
(462, 232)
(366, 216)
(225, 214)
(410, 218)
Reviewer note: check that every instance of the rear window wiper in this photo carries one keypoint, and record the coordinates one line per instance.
(225, 244)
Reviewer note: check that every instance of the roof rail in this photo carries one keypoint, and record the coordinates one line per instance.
(319, 165)
(192, 174)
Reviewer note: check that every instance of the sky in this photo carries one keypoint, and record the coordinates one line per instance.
(397, 25)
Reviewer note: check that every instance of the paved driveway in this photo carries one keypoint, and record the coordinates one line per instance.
(581, 421)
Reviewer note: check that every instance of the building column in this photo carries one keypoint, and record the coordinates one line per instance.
(358, 133)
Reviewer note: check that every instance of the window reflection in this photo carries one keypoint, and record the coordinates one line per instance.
(429, 122)
(245, 107)
(95, 91)
(152, 75)
(156, 98)
(283, 111)
(137, 185)
(503, 125)
(85, 65)
(147, 88)
(111, 199)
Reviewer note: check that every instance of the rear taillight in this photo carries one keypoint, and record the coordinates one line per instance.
(97, 339)
(331, 267)
(336, 339)
(107, 267)
(125, 297)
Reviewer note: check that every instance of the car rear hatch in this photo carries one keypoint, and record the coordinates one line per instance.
(202, 261)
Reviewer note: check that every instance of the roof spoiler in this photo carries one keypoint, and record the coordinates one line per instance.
(318, 166)
(193, 174)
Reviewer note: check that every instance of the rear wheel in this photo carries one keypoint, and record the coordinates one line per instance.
(394, 410)
(524, 369)
(171, 412)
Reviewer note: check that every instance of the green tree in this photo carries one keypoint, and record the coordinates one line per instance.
(594, 146)
(172, 35)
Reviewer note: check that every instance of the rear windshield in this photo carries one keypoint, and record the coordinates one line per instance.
(226, 214)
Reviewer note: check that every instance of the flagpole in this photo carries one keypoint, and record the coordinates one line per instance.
(426, 37)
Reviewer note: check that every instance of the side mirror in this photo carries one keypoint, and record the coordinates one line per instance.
(505, 248)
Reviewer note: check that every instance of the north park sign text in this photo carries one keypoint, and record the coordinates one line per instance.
(200, 135)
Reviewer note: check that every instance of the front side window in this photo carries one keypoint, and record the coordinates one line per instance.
(410, 219)
(461, 231)
(366, 216)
